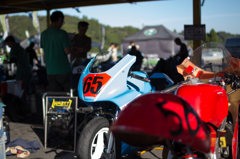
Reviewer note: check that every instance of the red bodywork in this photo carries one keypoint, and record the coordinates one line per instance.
(151, 118)
(184, 117)
(209, 101)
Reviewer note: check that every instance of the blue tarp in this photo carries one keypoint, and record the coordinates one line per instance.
(31, 146)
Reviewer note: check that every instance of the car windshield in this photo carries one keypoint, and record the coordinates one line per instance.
(214, 57)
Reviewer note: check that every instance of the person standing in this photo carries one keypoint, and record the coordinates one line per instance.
(183, 52)
(57, 45)
(115, 53)
(19, 56)
(110, 49)
(31, 53)
(131, 44)
(81, 42)
(139, 58)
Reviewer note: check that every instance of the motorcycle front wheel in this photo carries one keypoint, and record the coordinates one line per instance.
(93, 141)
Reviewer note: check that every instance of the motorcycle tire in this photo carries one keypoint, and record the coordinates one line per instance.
(90, 145)
(15, 108)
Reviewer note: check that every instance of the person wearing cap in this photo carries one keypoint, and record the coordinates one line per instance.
(57, 45)
(81, 42)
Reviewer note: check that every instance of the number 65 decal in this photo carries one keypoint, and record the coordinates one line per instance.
(92, 83)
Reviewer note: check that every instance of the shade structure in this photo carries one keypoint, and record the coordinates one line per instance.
(154, 40)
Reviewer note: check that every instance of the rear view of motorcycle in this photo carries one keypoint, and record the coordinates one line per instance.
(201, 118)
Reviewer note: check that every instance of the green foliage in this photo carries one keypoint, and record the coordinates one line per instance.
(19, 24)
(213, 36)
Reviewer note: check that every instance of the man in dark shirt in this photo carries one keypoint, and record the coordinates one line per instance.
(183, 53)
(32, 54)
(19, 56)
(139, 58)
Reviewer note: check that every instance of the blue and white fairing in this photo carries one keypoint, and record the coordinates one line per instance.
(112, 85)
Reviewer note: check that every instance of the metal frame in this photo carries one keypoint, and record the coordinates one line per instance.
(45, 120)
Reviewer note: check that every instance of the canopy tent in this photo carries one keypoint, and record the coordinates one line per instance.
(34, 38)
(154, 40)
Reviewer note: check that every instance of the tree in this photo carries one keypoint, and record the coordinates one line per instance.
(213, 36)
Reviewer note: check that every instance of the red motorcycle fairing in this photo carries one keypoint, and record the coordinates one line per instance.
(155, 117)
(209, 101)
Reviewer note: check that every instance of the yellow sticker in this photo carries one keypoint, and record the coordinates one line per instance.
(61, 103)
(222, 142)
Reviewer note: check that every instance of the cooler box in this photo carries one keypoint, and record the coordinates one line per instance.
(15, 87)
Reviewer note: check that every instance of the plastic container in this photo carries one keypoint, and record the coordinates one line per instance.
(2, 147)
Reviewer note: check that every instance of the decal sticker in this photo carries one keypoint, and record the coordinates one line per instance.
(222, 141)
(187, 111)
(93, 83)
(61, 103)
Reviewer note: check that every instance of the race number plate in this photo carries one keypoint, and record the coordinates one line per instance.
(93, 83)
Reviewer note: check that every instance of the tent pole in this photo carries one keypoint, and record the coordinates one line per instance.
(41, 50)
(197, 21)
(173, 53)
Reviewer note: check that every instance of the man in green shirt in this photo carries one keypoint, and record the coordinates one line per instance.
(56, 45)
(19, 56)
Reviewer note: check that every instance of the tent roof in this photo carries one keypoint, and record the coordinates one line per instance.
(153, 32)
(15, 6)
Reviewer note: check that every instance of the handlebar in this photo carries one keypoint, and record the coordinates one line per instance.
(171, 89)
(88, 109)
(139, 77)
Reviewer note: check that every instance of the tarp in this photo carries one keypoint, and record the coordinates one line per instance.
(154, 40)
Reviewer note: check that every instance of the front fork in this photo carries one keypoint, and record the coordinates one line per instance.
(111, 139)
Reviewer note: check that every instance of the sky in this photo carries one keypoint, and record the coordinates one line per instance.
(220, 15)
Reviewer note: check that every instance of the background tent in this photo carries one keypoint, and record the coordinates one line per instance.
(154, 40)
(34, 38)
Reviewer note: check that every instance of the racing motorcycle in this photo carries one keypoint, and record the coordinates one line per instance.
(105, 88)
(197, 118)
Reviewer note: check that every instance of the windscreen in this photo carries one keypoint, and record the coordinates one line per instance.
(102, 62)
(214, 57)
